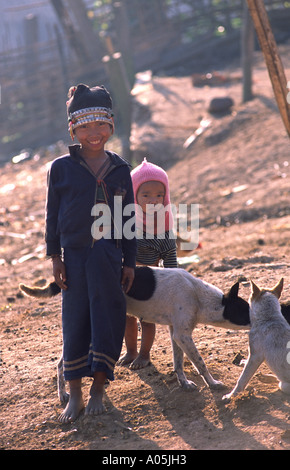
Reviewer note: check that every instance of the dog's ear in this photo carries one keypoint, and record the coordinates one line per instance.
(234, 290)
(255, 290)
(277, 290)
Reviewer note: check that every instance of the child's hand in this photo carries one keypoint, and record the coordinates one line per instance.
(128, 275)
(58, 270)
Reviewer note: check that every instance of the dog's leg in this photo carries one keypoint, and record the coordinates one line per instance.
(178, 365)
(185, 342)
(62, 394)
(253, 362)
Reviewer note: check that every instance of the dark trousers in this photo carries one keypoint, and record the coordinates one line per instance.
(93, 310)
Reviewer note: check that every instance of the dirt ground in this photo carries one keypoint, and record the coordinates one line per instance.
(238, 170)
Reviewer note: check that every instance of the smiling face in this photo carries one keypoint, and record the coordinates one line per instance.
(151, 192)
(93, 136)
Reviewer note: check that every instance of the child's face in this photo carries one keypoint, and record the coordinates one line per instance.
(151, 192)
(93, 136)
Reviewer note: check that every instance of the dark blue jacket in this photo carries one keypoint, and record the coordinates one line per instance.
(71, 195)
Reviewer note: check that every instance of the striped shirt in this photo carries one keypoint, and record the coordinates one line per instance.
(151, 251)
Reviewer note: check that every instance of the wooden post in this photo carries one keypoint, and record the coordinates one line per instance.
(62, 59)
(272, 58)
(31, 43)
(32, 67)
(247, 47)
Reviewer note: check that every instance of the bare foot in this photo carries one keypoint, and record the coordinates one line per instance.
(95, 405)
(73, 408)
(140, 362)
(127, 359)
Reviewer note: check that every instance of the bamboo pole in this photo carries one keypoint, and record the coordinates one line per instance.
(272, 58)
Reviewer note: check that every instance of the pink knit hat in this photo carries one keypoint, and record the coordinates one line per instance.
(145, 172)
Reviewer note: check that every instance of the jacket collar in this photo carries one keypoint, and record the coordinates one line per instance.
(116, 160)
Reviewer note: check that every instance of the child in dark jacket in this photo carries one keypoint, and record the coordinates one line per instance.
(92, 262)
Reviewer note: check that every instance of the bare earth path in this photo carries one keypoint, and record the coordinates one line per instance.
(239, 173)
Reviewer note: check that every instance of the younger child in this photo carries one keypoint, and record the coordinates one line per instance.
(93, 269)
(156, 243)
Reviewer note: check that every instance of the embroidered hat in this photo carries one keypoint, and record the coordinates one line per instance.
(143, 173)
(87, 104)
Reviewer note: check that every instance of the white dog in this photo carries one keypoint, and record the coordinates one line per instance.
(175, 298)
(269, 339)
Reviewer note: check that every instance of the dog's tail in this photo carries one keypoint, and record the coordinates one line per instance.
(48, 291)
